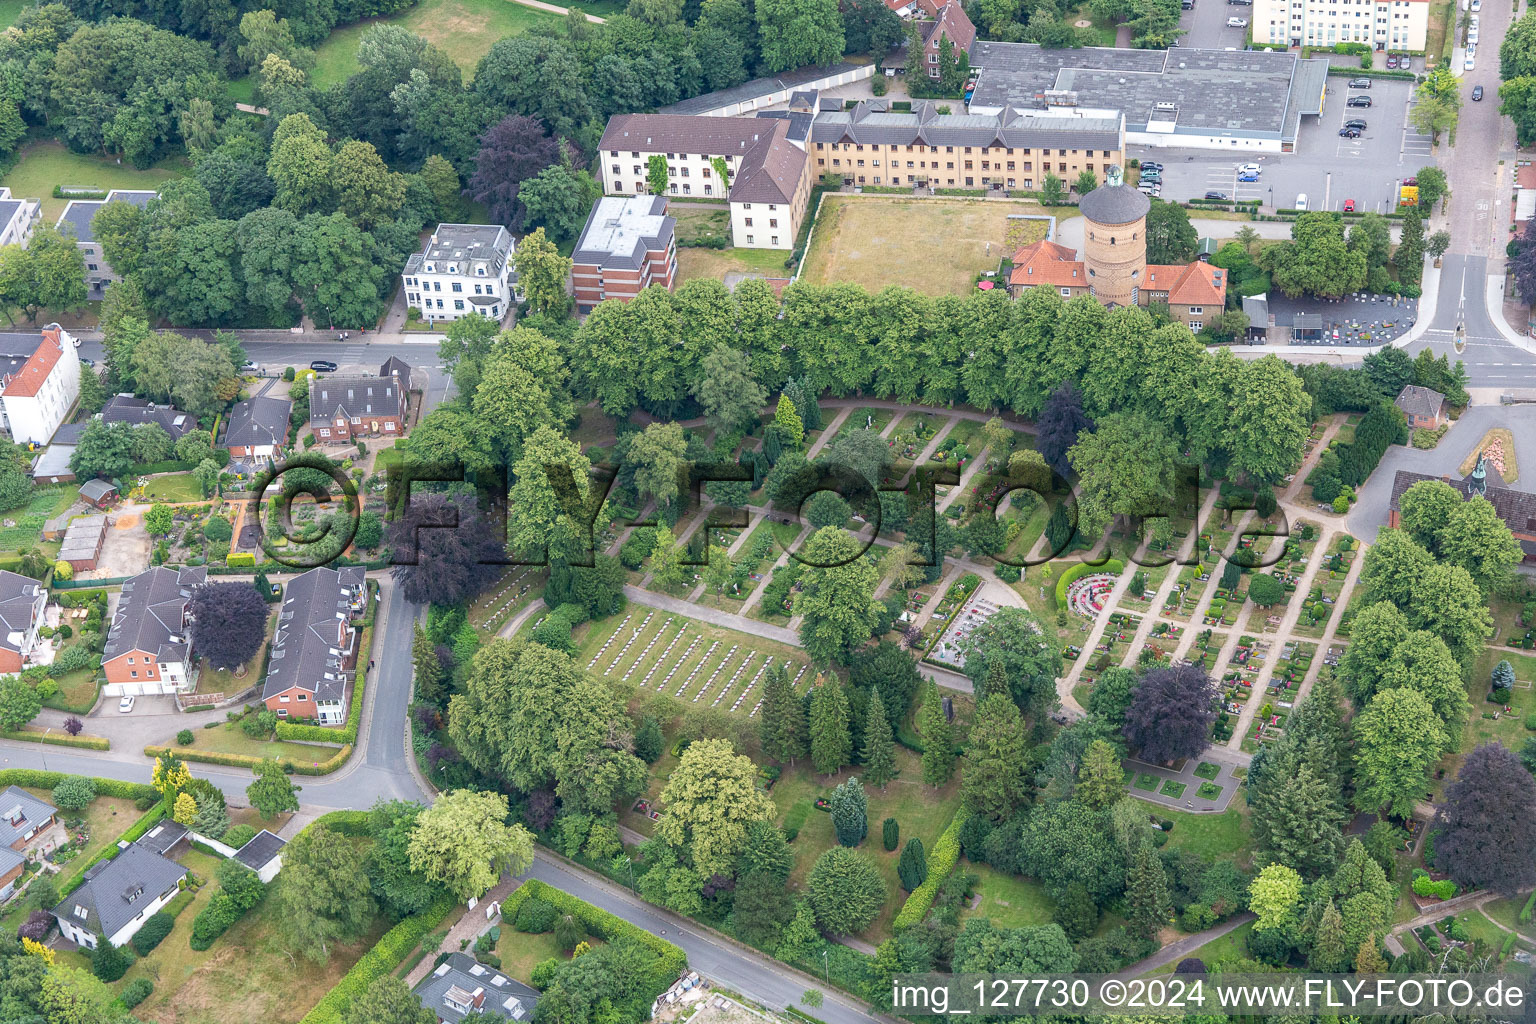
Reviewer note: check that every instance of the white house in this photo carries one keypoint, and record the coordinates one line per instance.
(39, 383)
(1381, 24)
(465, 268)
(118, 896)
(18, 218)
(75, 222)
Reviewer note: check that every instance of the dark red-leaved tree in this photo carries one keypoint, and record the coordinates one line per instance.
(1523, 265)
(37, 925)
(512, 150)
(1061, 420)
(229, 623)
(73, 725)
(1486, 826)
(1171, 713)
(445, 550)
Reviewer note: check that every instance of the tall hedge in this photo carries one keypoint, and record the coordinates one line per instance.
(940, 862)
(325, 767)
(383, 958)
(1079, 570)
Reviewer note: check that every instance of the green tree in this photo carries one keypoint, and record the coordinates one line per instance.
(712, 800)
(836, 602)
(272, 794)
(1398, 739)
(787, 420)
(388, 1000)
(542, 273)
(731, 397)
(798, 33)
(300, 166)
(830, 731)
(784, 730)
(366, 190)
(879, 751)
(1100, 779)
(850, 812)
(666, 561)
(1009, 654)
(19, 704)
(1146, 892)
(157, 521)
(322, 893)
(912, 867)
(440, 178)
(938, 740)
(846, 891)
(1274, 896)
(464, 842)
(558, 199)
(996, 758)
(1328, 951)
(656, 174)
(659, 456)
(1170, 236)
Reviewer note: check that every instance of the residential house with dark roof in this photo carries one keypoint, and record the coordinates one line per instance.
(21, 611)
(768, 177)
(39, 383)
(936, 22)
(461, 987)
(398, 369)
(464, 268)
(315, 646)
(137, 412)
(75, 222)
(149, 648)
(627, 245)
(22, 818)
(871, 144)
(257, 428)
(1423, 407)
(345, 407)
(118, 896)
(1516, 508)
(263, 855)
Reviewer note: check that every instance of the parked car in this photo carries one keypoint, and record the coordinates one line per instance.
(1151, 165)
(1349, 133)
(1237, 23)
(1477, 94)
(1349, 206)
(1218, 195)
(250, 366)
(323, 366)
(1359, 83)
(1248, 176)
(1301, 201)
(125, 705)
(1477, 5)
(1410, 181)
(1356, 122)
(1391, 62)
(1469, 64)
(1249, 169)
(1152, 177)
(1472, 37)
(87, 362)
(1359, 101)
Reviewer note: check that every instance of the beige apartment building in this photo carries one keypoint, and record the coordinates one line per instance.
(873, 145)
(1381, 24)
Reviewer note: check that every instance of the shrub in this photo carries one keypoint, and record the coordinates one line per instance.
(1423, 885)
(109, 962)
(890, 834)
(136, 991)
(1499, 696)
(1530, 721)
(184, 738)
(238, 836)
(535, 917)
(1079, 569)
(214, 920)
(288, 373)
(945, 852)
(74, 793)
(155, 929)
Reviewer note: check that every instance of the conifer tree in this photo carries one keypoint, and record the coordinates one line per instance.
(831, 735)
(912, 868)
(850, 812)
(995, 758)
(429, 671)
(1368, 960)
(783, 728)
(879, 753)
(1100, 780)
(791, 430)
(1146, 891)
(1328, 952)
(938, 741)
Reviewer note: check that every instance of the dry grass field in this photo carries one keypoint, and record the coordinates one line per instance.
(935, 245)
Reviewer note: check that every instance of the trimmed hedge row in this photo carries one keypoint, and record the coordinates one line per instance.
(62, 739)
(383, 958)
(941, 861)
(34, 778)
(335, 761)
(134, 832)
(1079, 570)
(671, 960)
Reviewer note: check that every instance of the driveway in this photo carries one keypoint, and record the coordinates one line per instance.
(125, 552)
(1370, 512)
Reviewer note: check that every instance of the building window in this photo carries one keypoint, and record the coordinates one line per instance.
(1196, 309)
(774, 240)
(749, 239)
(748, 221)
(1066, 292)
(1195, 325)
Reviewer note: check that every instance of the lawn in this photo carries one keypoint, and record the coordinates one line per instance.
(10, 10)
(920, 811)
(463, 29)
(714, 264)
(175, 487)
(520, 952)
(697, 223)
(246, 977)
(228, 738)
(42, 165)
(937, 246)
(1215, 837)
(1231, 946)
(1011, 901)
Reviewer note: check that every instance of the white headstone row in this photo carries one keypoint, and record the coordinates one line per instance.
(647, 680)
(679, 663)
(607, 642)
(718, 669)
(735, 676)
(627, 644)
(707, 655)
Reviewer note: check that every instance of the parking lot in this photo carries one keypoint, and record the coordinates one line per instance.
(1206, 28)
(1327, 168)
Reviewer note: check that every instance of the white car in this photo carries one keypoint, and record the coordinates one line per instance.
(1237, 23)
(1249, 169)
(1477, 5)
(1301, 202)
(1472, 38)
(126, 704)
(250, 366)
(1470, 64)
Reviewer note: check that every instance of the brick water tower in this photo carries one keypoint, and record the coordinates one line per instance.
(1115, 241)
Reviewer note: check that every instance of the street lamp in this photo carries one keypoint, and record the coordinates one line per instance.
(45, 747)
(826, 966)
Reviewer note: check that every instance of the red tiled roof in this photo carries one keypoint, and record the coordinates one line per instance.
(28, 381)
(1193, 284)
(1049, 264)
(1525, 177)
(953, 22)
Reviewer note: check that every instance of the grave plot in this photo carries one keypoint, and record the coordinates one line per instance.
(690, 661)
(1206, 648)
(1163, 639)
(972, 615)
(1327, 584)
(517, 584)
(1086, 595)
(1268, 725)
(1292, 664)
(1142, 589)
(1187, 591)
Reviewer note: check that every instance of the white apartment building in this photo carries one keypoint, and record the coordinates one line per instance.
(75, 222)
(39, 383)
(769, 181)
(1381, 24)
(18, 218)
(465, 268)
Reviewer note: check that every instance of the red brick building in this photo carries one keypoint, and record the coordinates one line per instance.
(628, 244)
(149, 649)
(344, 408)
